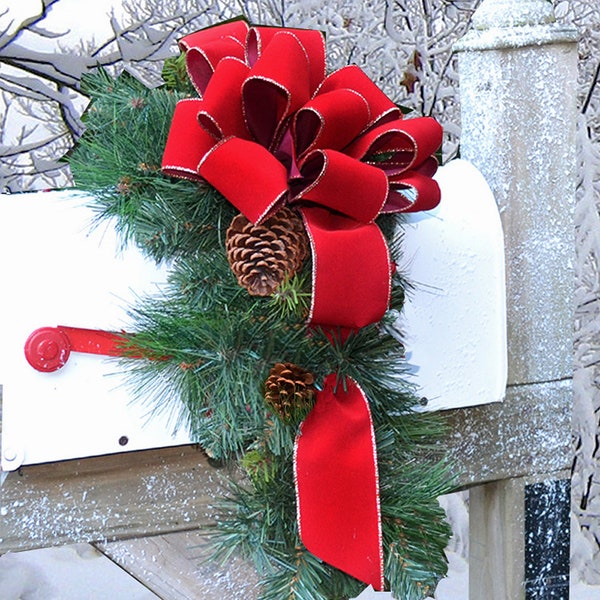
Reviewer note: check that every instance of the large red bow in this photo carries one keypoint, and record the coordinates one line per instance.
(270, 128)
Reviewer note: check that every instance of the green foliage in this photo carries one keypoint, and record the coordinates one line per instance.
(210, 347)
(118, 161)
(260, 467)
(293, 296)
(174, 73)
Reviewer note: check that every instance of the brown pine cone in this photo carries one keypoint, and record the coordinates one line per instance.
(262, 256)
(290, 390)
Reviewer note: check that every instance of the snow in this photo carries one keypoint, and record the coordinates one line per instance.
(581, 591)
(456, 585)
(77, 20)
(77, 572)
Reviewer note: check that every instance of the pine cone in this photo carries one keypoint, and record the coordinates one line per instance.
(262, 256)
(290, 390)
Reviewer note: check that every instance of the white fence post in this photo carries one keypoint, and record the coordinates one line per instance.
(518, 74)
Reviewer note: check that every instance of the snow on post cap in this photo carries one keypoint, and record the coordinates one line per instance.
(512, 13)
(499, 24)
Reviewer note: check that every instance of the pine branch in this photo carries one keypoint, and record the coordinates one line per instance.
(209, 347)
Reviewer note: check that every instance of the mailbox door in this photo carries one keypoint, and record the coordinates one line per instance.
(56, 269)
(454, 321)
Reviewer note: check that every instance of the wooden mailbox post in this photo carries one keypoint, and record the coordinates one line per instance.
(518, 118)
(518, 71)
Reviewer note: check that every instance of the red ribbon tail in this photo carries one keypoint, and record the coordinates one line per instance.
(351, 270)
(337, 485)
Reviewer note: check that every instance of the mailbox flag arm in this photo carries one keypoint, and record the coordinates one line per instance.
(47, 349)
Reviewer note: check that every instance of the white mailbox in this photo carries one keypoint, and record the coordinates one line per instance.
(454, 321)
(58, 270)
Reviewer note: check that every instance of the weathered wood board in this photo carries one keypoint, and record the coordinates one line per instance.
(507, 556)
(176, 567)
(105, 498)
(160, 491)
(528, 434)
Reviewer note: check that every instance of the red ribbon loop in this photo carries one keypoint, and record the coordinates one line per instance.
(331, 120)
(414, 191)
(275, 89)
(343, 185)
(260, 180)
(221, 112)
(354, 78)
(312, 42)
(187, 143)
(205, 48)
(398, 145)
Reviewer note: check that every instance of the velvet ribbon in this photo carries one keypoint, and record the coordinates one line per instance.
(269, 128)
(336, 471)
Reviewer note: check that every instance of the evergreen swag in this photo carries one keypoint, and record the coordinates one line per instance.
(215, 346)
